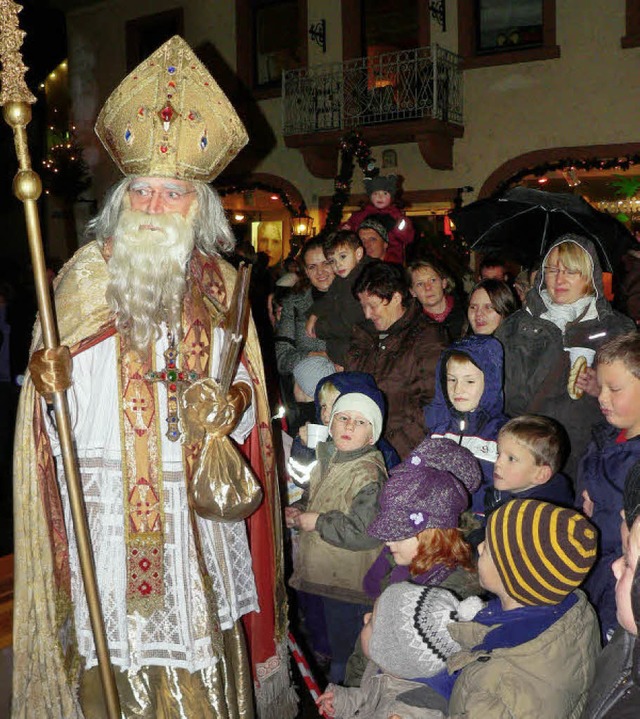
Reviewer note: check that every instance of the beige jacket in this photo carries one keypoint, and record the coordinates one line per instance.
(546, 678)
(333, 559)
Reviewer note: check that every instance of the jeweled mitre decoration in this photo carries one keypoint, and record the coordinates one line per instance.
(169, 118)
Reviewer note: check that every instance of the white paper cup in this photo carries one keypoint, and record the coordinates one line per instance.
(316, 433)
(586, 352)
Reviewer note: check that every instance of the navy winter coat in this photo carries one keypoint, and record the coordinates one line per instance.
(558, 490)
(602, 472)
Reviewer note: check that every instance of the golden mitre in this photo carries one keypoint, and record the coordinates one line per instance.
(169, 118)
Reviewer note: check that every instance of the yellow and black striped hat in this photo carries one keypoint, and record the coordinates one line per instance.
(542, 552)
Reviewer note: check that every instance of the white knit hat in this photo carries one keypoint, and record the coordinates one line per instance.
(410, 638)
(358, 402)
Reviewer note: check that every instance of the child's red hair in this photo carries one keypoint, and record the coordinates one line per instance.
(441, 546)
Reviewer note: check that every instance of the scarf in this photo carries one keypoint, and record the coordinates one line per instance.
(442, 316)
(560, 315)
(515, 627)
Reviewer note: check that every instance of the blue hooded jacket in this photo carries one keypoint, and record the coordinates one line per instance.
(603, 470)
(477, 430)
(347, 382)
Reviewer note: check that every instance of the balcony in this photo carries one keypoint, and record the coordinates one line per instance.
(407, 96)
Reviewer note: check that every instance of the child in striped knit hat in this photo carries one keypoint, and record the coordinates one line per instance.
(531, 652)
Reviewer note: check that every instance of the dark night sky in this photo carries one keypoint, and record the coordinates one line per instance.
(43, 49)
(46, 43)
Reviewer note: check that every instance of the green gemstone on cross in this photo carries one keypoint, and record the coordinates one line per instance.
(174, 380)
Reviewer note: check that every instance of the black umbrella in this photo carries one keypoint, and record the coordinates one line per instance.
(523, 223)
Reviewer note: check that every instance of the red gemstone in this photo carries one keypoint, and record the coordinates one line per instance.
(166, 113)
(163, 149)
(172, 83)
(180, 375)
(172, 387)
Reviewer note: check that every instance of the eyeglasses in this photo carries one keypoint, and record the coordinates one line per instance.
(553, 271)
(168, 195)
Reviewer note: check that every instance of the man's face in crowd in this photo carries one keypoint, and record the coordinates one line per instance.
(494, 272)
(374, 245)
(158, 195)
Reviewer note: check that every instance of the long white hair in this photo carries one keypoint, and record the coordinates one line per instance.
(212, 232)
(150, 254)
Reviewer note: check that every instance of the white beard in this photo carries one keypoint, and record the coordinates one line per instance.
(147, 274)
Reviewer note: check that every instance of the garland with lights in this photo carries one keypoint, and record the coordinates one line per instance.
(248, 186)
(622, 163)
(351, 146)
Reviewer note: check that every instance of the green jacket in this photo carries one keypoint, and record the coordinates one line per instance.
(344, 487)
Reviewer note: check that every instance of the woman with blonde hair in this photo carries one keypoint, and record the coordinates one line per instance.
(549, 346)
(434, 288)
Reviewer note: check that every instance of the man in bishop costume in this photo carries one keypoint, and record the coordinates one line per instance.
(195, 610)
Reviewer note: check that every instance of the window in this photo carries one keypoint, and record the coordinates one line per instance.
(499, 32)
(146, 34)
(632, 24)
(390, 26)
(271, 37)
(508, 25)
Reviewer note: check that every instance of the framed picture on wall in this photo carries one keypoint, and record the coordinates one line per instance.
(267, 237)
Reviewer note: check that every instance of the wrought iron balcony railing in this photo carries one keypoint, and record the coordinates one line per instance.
(424, 82)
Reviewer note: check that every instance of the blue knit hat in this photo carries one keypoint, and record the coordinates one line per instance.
(429, 489)
(311, 370)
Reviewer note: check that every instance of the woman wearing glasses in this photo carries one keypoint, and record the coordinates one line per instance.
(566, 318)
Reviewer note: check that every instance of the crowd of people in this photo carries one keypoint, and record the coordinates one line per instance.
(464, 495)
(456, 532)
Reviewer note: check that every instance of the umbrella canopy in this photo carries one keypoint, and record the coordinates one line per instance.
(524, 222)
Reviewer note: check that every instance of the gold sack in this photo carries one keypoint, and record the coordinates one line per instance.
(223, 486)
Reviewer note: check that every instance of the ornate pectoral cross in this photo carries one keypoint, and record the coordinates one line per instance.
(175, 380)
